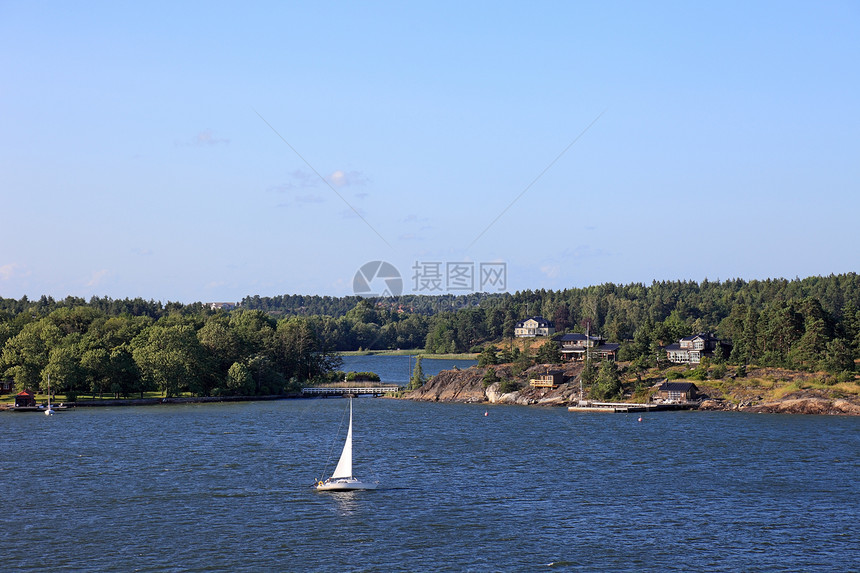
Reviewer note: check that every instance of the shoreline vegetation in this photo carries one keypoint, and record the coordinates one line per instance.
(760, 390)
(414, 352)
(264, 346)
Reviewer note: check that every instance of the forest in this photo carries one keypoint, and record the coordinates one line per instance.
(273, 345)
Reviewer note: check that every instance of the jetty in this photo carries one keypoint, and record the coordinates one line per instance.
(352, 390)
(624, 407)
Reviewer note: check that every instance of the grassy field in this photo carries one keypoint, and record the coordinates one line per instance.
(59, 398)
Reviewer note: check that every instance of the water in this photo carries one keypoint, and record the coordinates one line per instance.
(225, 487)
(398, 369)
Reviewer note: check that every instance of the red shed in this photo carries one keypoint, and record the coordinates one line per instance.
(25, 399)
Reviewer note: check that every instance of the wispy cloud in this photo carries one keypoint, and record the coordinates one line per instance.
(298, 189)
(550, 271)
(341, 178)
(309, 198)
(298, 179)
(9, 271)
(203, 139)
(97, 277)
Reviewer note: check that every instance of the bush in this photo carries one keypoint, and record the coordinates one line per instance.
(845, 376)
(719, 371)
(362, 377)
(697, 374)
(490, 377)
(507, 386)
(674, 375)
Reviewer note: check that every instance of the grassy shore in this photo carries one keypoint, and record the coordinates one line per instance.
(462, 356)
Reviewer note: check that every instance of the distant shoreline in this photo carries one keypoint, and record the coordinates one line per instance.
(451, 356)
(157, 401)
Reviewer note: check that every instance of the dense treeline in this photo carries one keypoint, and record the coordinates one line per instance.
(126, 346)
(314, 305)
(84, 349)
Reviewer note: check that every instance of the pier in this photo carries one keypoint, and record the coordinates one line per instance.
(623, 407)
(363, 390)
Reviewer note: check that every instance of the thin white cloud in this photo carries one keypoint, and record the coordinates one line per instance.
(298, 179)
(550, 271)
(97, 277)
(206, 137)
(203, 138)
(9, 271)
(340, 178)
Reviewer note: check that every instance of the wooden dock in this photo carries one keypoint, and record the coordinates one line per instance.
(625, 408)
(365, 390)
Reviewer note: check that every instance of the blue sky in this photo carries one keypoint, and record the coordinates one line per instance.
(137, 157)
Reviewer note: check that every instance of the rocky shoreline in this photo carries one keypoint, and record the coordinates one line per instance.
(467, 386)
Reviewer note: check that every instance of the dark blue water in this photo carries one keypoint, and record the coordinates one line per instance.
(225, 487)
(398, 369)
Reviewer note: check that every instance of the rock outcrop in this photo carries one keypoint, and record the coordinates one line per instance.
(468, 386)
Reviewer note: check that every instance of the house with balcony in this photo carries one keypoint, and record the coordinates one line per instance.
(549, 379)
(575, 346)
(691, 349)
(534, 326)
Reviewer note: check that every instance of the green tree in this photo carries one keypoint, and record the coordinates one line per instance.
(168, 357)
(608, 383)
(240, 382)
(488, 356)
(549, 353)
(25, 355)
(838, 357)
(124, 374)
(490, 377)
(96, 365)
(418, 379)
(589, 373)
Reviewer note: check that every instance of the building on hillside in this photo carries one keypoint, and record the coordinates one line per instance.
(575, 346)
(691, 349)
(677, 391)
(534, 326)
(25, 399)
(549, 379)
(6, 385)
(221, 305)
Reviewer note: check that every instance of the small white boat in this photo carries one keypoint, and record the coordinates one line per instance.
(49, 411)
(342, 478)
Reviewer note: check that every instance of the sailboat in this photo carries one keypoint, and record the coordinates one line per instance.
(342, 478)
(49, 411)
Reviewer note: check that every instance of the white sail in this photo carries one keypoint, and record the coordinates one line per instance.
(342, 478)
(344, 464)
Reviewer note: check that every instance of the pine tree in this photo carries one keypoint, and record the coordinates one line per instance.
(418, 379)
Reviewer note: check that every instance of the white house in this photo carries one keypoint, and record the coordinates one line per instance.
(534, 326)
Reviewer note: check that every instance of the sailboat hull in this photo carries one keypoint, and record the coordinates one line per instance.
(344, 484)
